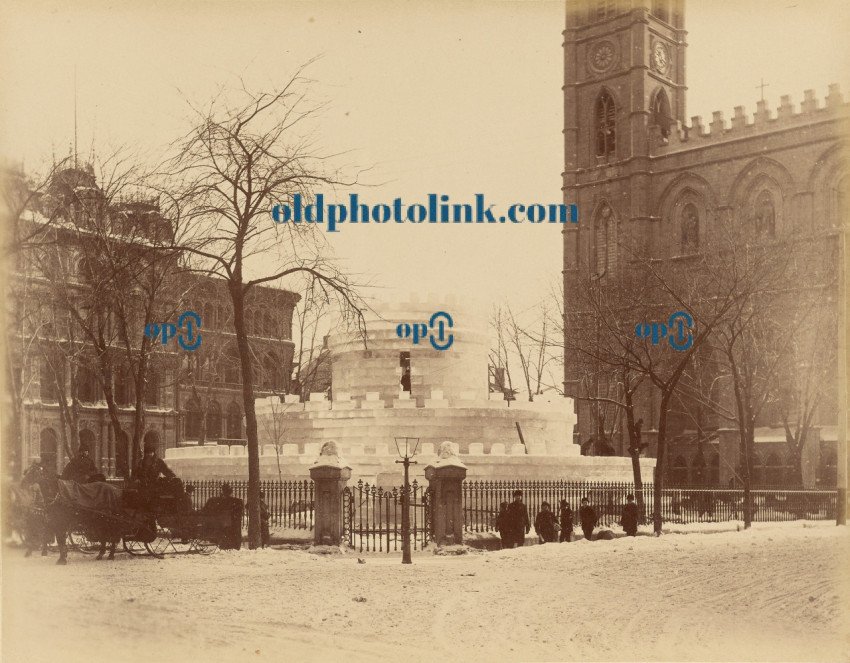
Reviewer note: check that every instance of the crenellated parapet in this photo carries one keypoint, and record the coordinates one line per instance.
(764, 121)
(343, 401)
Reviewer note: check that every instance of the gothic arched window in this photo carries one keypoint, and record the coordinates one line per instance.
(193, 420)
(234, 422)
(602, 240)
(213, 420)
(690, 228)
(661, 10)
(660, 110)
(232, 373)
(606, 131)
(765, 215)
(86, 384)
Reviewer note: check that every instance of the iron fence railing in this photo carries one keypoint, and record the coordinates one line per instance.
(291, 503)
(482, 499)
(371, 517)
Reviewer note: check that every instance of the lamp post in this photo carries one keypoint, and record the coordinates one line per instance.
(407, 448)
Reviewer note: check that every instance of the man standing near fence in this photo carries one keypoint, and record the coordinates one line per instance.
(264, 520)
(629, 519)
(587, 516)
(518, 524)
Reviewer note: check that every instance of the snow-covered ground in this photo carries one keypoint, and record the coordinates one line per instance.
(776, 592)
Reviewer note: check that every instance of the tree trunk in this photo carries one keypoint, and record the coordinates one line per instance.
(638, 481)
(238, 297)
(139, 414)
(661, 446)
(747, 440)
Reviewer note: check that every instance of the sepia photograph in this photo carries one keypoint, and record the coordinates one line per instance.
(466, 330)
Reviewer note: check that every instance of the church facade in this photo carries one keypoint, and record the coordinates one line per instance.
(646, 177)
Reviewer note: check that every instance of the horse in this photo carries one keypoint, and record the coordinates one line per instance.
(64, 513)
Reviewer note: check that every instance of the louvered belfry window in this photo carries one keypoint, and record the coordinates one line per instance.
(605, 126)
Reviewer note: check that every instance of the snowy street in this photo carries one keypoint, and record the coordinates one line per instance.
(778, 592)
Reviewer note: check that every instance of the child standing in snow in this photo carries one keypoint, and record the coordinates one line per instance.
(545, 525)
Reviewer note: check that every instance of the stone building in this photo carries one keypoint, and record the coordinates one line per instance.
(644, 176)
(188, 394)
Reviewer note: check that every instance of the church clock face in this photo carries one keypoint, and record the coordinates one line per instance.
(602, 56)
(660, 57)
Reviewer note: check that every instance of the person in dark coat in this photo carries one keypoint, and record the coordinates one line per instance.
(264, 520)
(587, 517)
(566, 517)
(629, 519)
(544, 524)
(502, 525)
(231, 535)
(518, 524)
(152, 467)
(81, 468)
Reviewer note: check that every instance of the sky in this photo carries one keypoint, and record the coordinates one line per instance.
(455, 98)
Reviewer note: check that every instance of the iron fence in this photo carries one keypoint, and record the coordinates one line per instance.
(482, 499)
(371, 517)
(291, 503)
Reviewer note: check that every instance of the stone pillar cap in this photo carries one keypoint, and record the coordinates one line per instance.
(329, 457)
(446, 457)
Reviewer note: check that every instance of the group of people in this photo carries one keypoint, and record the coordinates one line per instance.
(513, 522)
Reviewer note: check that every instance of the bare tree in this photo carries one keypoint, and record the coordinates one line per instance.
(234, 165)
(312, 323)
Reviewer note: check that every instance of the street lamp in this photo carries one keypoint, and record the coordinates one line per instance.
(407, 448)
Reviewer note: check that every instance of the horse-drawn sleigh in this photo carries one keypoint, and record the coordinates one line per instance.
(154, 521)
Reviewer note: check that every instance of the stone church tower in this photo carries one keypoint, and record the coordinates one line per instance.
(646, 179)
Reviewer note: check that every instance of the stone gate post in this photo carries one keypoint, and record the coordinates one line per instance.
(329, 474)
(445, 478)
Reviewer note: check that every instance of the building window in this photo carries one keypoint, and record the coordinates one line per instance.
(232, 373)
(690, 229)
(602, 240)
(404, 362)
(48, 381)
(193, 420)
(123, 387)
(48, 450)
(213, 421)
(605, 125)
(765, 215)
(86, 385)
(271, 371)
(234, 422)
(661, 116)
(152, 387)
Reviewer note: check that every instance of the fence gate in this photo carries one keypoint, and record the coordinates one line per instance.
(371, 517)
